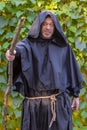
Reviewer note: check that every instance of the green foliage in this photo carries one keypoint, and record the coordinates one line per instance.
(73, 19)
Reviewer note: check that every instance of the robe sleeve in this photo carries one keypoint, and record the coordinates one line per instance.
(17, 63)
(20, 64)
(76, 76)
(17, 71)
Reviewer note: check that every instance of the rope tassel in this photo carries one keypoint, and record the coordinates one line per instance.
(53, 110)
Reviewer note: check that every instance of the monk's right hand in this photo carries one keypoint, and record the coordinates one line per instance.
(10, 57)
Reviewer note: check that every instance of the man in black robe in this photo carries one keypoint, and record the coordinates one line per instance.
(46, 73)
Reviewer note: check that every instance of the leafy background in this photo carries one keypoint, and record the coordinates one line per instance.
(72, 15)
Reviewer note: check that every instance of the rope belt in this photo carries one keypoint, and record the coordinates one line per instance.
(53, 102)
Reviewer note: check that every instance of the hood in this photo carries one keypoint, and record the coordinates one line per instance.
(58, 37)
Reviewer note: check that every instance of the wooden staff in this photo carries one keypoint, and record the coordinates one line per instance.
(10, 71)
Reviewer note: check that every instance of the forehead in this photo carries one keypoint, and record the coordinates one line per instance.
(48, 19)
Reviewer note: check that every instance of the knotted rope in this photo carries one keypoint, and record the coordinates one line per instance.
(53, 103)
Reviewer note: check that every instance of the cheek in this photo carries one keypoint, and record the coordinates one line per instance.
(52, 30)
(43, 30)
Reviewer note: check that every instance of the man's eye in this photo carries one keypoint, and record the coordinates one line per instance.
(44, 24)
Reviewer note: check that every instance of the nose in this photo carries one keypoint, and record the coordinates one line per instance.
(48, 26)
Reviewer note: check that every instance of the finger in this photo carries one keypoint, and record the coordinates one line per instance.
(9, 57)
(75, 107)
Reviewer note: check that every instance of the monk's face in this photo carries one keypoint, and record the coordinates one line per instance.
(47, 28)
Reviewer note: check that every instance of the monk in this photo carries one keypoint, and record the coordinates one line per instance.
(47, 74)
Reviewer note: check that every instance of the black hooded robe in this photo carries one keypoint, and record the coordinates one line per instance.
(44, 67)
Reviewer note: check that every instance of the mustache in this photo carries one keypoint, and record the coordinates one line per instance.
(47, 31)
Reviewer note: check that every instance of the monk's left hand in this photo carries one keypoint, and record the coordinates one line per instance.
(75, 104)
